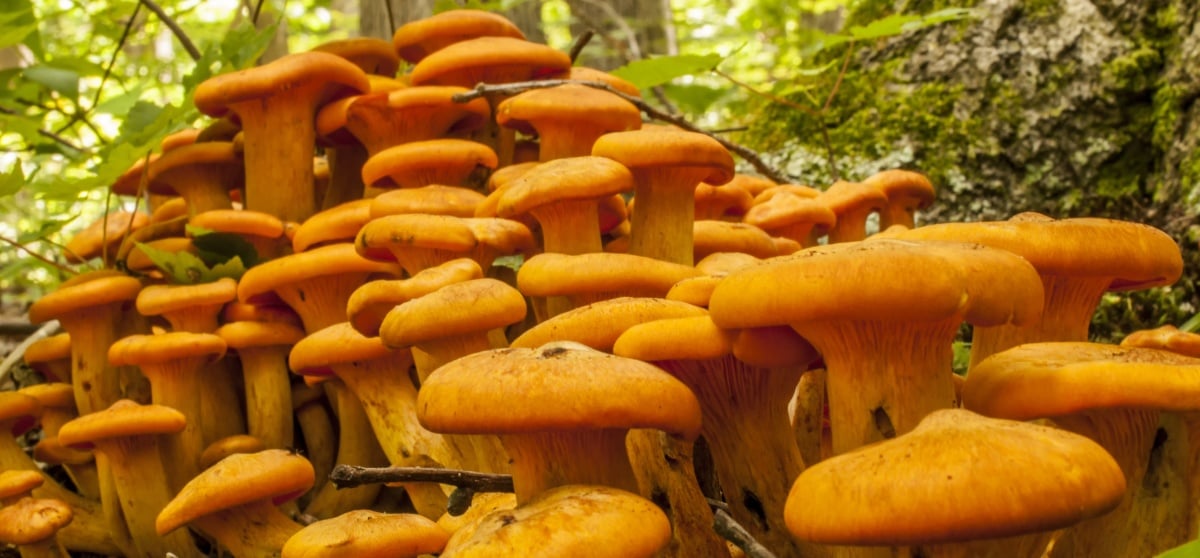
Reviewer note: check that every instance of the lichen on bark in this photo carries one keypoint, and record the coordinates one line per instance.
(1066, 107)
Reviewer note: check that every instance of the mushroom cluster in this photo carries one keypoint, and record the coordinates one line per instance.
(646, 341)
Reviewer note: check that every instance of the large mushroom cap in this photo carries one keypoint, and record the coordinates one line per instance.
(417, 39)
(85, 291)
(273, 474)
(559, 386)
(1135, 256)
(33, 520)
(367, 534)
(455, 309)
(336, 77)
(958, 476)
(863, 281)
(124, 418)
(594, 521)
(648, 148)
(1037, 380)
(491, 60)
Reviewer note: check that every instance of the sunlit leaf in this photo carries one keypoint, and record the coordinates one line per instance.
(20, 124)
(56, 79)
(45, 229)
(512, 262)
(694, 99)
(16, 26)
(217, 247)
(657, 71)
(119, 105)
(185, 268)
(12, 181)
(1189, 550)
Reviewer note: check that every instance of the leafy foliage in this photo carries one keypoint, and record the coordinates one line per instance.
(184, 268)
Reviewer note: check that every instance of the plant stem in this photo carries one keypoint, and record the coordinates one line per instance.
(175, 29)
(347, 476)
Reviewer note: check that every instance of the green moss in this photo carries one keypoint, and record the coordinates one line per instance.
(1167, 105)
(1042, 9)
(1134, 72)
(1189, 180)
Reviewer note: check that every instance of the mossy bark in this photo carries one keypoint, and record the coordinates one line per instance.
(1069, 108)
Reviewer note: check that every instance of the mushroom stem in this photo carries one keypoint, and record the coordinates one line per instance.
(268, 395)
(1069, 305)
(141, 482)
(279, 142)
(345, 180)
(662, 217)
(884, 391)
(1129, 436)
(254, 530)
(357, 446)
(545, 460)
(177, 384)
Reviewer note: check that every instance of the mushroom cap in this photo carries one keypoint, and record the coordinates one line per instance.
(370, 303)
(15, 482)
(721, 202)
(1039, 380)
(144, 350)
(853, 197)
(415, 40)
(227, 446)
(456, 309)
(340, 223)
(785, 209)
(274, 474)
(571, 105)
(20, 411)
(372, 55)
(84, 291)
(414, 114)
(556, 387)
(33, 520)
(1135, 256)
(108, 231)
(695, 290)
(332, 117)
(598, 325)
(584, 73)
(489, 60)
(434, 199)
(957, 476)
(335, 77)
(411, 165)
(551, 274)
(692, 338)
(207, 156)
(239, 221)
(570, 179)
(898, 184)
(1167, 338)
(753, 184)
(122, 419)
(572, 520)
(155, 300)
(52, 395)
(334, 345)
(712, 236)
(649, 149)
(439, 232)
(248, 334)
(50, 349)
(333, 259)
(861, 281)
(368, 534)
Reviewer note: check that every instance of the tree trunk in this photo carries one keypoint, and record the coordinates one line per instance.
(1069, 108)
(625, 30)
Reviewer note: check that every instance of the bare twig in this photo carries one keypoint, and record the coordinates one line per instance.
(51, 135)
(730, 530)
(37, 256)
(581, 41)
(47, 329)
(635, 49)
(837, 84)
(349, 476)
(175, 29)
(729, 129)
(742, 151)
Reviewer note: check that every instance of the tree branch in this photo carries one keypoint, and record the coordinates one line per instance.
(581, 41)
(175, 29)
(48, 134)
(744, 152)
(349, 476)
(732, 531)
(37, 256)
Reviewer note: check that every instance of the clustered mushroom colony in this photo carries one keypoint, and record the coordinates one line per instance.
(678, 334)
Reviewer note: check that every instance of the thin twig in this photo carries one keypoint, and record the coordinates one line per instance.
(175, 29)
(257, 10)
(112, 60)
(841, 74)
(744, 152)
(732, 531)
(581, 41)
(51, 135)
(773, 98)
(349, 476)
(47, 329)
(37, 256)
(729, 129)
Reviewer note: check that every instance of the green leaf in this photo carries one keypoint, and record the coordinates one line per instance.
(1189, 550)
(887, 27)
(26, 127)
(184, 268)
(16, 26)
(57, 79)
(1192, 325)
(12, 182)
(512, 262)
(694, 99)
(216, 247)
(119, 105)
(45, 229)
(657, 71)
